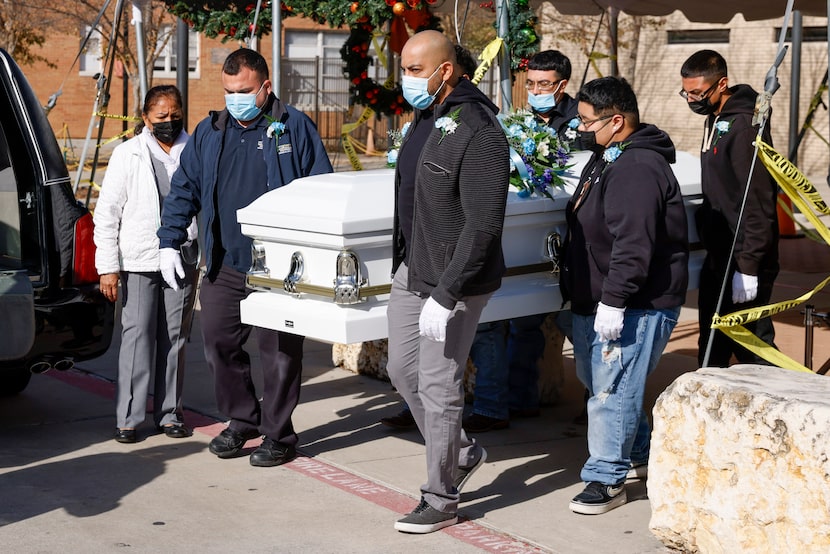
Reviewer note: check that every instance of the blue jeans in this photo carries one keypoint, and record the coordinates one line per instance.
(615, 375)
(507, 371)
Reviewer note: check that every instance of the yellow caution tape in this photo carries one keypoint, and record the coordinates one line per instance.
(113, 116)
(808, 201)
(486, 57)
(347, 128)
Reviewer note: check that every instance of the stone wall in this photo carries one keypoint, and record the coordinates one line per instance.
(740, 462)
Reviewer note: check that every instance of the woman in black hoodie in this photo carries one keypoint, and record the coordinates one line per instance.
(625, 273)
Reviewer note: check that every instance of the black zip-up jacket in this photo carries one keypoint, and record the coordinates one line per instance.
(724, 169)
(460, 196)
(627, 244)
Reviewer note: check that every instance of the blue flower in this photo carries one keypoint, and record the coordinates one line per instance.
(529, 146)
(723, 126)
(392, 157)
(275, 128)
(611, 154)
(573, 123)
(515, 130)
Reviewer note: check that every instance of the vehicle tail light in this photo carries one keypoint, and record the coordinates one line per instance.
(83, 255)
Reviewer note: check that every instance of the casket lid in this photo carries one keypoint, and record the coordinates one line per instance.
(344, 203)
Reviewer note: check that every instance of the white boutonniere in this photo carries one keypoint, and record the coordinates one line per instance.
(448, 124)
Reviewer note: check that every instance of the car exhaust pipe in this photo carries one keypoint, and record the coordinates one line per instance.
(41, 366)
(64, 364)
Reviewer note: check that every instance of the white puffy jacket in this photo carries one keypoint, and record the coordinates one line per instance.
(127, 213)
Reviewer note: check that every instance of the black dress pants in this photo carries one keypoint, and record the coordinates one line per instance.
(281, 356)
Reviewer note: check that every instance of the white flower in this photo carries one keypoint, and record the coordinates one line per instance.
(543, 148)
(570, 134)
(446, 124)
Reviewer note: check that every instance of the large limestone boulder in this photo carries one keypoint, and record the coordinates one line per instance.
(740, 462)
(369, 358)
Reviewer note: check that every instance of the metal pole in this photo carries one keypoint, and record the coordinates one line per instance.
(795, 84)
(613, 32)
(276, 48)
(138, 21)
(505, 81)
(182, 63)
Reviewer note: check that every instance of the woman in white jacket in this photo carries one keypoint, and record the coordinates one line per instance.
(154, 317)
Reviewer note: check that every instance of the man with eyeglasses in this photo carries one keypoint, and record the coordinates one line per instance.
(548, 74)
(726, 157)
(625, 274)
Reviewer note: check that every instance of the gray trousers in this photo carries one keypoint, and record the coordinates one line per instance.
(155, 320)
(428, 374)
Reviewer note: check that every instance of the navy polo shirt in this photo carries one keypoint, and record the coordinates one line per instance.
(242, 178)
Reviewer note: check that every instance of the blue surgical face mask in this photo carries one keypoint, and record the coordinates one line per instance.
(242, 106)
(416, 90)
(543, 103)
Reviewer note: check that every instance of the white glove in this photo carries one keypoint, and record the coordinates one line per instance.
(608, 323)
(744, 287)
(170, 262)
(433, 321)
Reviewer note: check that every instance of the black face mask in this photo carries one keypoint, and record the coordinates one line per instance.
(702, 107)
(168, 131)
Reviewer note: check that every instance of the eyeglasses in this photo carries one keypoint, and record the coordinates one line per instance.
(541, 85)
(588, 122)
(697, 97)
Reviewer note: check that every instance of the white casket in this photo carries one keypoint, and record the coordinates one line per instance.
(324, 252)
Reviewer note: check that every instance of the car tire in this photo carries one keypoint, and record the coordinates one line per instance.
(13, 380)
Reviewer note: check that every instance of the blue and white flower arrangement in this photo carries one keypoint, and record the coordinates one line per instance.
(395, 140)
(275, 128)
(570, 132)
(538, 155)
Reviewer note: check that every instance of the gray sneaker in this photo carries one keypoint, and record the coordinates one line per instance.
(638, 470)
(463, 474)
(598, 498)
(425, 519)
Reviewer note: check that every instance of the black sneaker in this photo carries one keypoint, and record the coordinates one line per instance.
(402, 420)
(477, 423)
(462, 474)
(272, 453)
(425, 519)
(638, 470)
(228, 443)
(598, 499)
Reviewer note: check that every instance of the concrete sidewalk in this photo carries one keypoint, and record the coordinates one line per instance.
(532, 470)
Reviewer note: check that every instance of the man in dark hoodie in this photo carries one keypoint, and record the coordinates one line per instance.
(625, 273)
(451, 185)
(254, 145)
(725, 159)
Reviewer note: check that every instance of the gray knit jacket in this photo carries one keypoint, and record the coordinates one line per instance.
(460, 196)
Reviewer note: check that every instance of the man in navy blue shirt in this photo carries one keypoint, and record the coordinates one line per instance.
(235, 155)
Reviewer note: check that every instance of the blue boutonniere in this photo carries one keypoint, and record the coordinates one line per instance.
(570, 132)
(275, 128)
(448, 124)
(396, 138)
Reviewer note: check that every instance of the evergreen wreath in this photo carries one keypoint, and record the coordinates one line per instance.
(233, 20)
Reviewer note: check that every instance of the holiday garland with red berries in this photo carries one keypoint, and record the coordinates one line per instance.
(234, 20)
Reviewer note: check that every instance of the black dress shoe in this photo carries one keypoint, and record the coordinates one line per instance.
(272, 453)
(229, 442)
(176, 431)
(125, 435)
(477, 423)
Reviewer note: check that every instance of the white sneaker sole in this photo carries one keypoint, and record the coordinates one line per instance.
(421, 529)
(596, 509)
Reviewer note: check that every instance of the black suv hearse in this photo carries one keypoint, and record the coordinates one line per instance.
(51, 311)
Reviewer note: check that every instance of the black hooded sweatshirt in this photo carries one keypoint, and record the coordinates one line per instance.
(627, 244)
(726, 156)
(456, 215)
